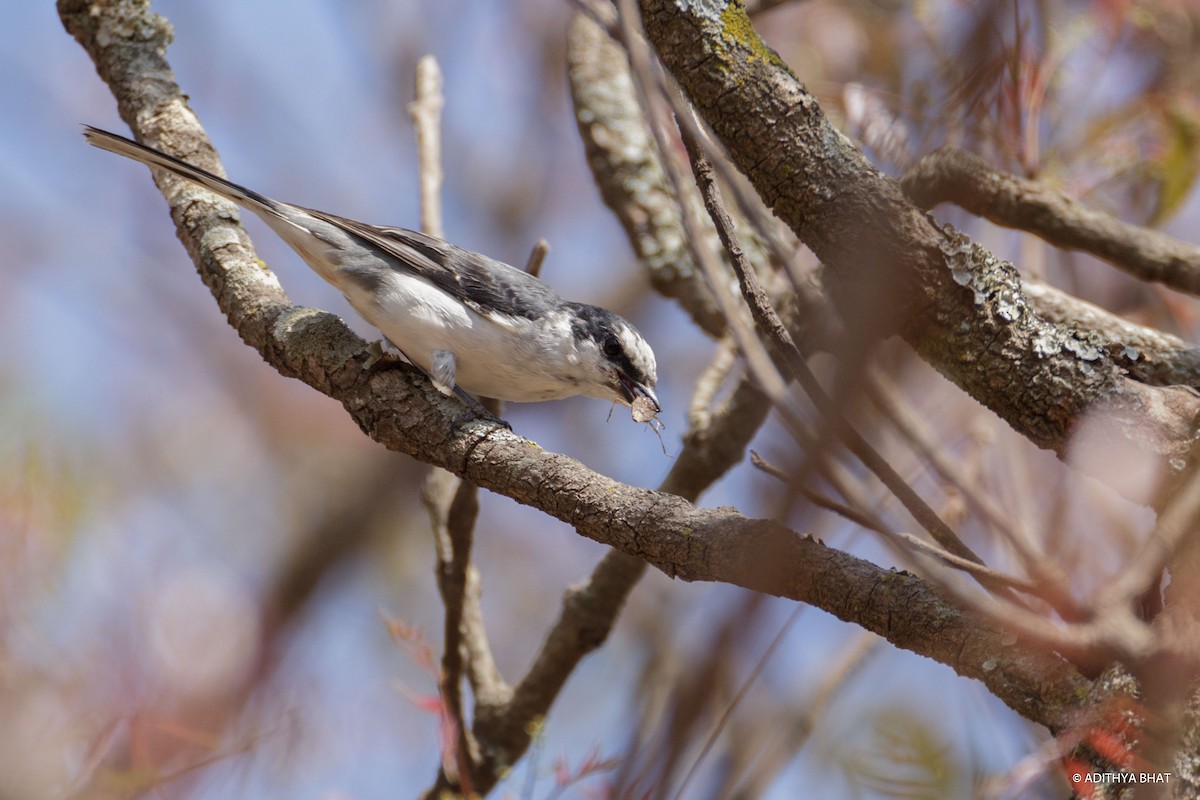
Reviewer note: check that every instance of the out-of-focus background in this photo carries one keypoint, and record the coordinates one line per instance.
(158, 482)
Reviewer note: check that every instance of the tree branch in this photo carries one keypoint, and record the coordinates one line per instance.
(951, 175)
(888, 266)
(1150, 355)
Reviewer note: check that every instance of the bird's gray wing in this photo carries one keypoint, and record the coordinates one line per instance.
(483, 284)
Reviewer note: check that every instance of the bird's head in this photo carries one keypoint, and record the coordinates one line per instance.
(616, 361)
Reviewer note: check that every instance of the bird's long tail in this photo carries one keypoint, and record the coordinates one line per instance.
(156, 158)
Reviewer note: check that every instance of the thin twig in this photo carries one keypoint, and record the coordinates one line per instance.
(797, 727)
(426, 114)
(742, 329)
(453, 505)
(1051, 582)
(536, 257)
(627, 168)
(983, 573)
(1176, 522)
(723, 720)
(860, 518)
(772, 327)
(709, 383)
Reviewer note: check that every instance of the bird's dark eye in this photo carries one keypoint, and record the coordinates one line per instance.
(612, 346)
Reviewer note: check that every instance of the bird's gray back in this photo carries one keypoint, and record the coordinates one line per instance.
(483, 284)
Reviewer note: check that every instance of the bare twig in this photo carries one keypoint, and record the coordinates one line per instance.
(983, 573)
(1177, 521)
(1052, 584)
(709, 383)
(453, 505)
(759, 6)
(850, 513)
(426, 113)
(752, 350)
(793, 736)
(536, 256)
(342, 530)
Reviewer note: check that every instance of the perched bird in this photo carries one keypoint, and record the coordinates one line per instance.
(470, 322)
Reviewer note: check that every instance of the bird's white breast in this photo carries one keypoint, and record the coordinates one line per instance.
(517, 359)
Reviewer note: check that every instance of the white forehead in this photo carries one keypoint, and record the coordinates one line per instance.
(639, 352)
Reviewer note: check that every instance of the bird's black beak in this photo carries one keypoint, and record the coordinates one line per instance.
(631, 390)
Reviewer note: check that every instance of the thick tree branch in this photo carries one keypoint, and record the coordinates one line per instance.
(1150, 355)
(888, 265)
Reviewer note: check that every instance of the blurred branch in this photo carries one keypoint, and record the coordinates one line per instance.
(797, 726)
(453, 505)
(950, 175)
(625, 165)
(759, 6)
(772, 329)
(681, 697)
(588, 613)
(723, 721)
(1050, 582)
(906, 542)
(888, 268)
(1176, 523)
(426, 113)
(342, 530)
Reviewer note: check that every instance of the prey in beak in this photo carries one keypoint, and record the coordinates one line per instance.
(633, 392)
(641, 400)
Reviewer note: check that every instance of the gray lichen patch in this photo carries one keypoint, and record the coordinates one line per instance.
(997, 284)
